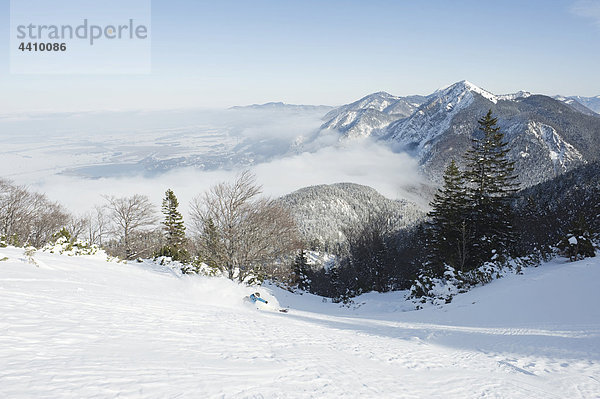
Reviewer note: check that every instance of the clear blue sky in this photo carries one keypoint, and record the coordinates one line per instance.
(222, 53)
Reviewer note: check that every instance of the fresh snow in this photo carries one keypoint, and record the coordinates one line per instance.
(78, 326)
(484, 93)
(465, 85)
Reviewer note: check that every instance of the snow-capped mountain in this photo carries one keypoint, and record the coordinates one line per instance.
(592, 103)
(586, 105)
(325, 213)
(548, 137)
(463, 87)
(371, 114)
(435, 116)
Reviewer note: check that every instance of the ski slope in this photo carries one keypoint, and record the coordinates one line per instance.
(80, 327)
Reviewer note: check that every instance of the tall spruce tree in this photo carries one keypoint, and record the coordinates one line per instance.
(492, 183)
(173, 228)
(301, 270)
(449, 229)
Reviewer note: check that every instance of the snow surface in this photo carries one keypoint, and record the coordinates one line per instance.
(78, 326)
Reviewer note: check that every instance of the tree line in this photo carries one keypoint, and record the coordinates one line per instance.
(235, 230)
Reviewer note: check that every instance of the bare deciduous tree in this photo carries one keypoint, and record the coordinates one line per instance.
(93, 226)
(130, 215)
(14, 209)
(29, 217)
(97, 225)
(46, 220)
(243, 234)
(77, 227)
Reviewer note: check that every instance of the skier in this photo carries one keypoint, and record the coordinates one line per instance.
(253, 298)
(256, 297)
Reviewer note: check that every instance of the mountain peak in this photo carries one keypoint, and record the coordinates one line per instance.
(372, 113)
(377, 97)
(464, 84)
(459, 88)
(378, 101)
(470, 86)
(381, 94)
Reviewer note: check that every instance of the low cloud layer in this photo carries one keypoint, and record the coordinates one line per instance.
(371, 164)
(283, 147)
(362, 162)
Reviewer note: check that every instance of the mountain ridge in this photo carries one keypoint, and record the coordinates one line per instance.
(548, 136)
(279, 105)
(371, 113)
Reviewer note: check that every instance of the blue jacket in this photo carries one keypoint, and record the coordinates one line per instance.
(255, 298)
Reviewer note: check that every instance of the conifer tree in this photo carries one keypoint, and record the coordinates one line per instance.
(301, 270)
(492, 183)
(173, 228)
(577, 244)
(448, 226)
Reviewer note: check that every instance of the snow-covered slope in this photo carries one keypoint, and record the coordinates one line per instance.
(82, 327)
(592, 103)
(371, 114)
(578, 103)
(558, 150)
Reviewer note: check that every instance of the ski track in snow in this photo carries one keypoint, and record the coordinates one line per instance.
(81, 327)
